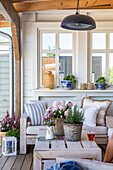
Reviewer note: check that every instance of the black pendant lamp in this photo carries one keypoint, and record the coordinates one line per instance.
(78, 22)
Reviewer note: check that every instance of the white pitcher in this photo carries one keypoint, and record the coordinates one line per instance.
(49, 133)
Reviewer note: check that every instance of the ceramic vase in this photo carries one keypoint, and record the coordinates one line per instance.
(49, 133)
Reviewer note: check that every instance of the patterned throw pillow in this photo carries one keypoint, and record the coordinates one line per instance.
(35, 112)
(103, 104)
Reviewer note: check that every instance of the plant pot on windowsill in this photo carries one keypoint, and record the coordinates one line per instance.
(101, 83)
(100, 86)
(69, 82)
(68, 85)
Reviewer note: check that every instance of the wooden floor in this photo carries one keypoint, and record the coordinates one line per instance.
(19, 162)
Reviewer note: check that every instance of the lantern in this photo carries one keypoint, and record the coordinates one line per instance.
(9, 146)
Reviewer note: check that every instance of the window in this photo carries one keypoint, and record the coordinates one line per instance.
(6, 74)
(102, 56)
(56, 55)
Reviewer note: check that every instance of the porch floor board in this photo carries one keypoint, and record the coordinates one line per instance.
(19, 162)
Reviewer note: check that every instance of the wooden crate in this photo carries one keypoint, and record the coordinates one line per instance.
(45, 152)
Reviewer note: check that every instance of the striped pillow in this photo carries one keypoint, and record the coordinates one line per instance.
(35, 112)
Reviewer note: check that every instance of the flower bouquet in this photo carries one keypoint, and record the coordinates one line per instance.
(49, 121)
(58, 115)
(9, 123)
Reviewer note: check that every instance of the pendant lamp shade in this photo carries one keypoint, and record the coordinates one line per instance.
(78, 22)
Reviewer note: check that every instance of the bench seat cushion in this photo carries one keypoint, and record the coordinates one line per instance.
(110, 132)
(33, 130)
(99, 130)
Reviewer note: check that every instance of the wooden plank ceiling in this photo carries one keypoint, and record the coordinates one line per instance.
(40, 5)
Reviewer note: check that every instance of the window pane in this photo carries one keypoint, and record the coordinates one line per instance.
(65, 65)
(48, 41)
(111, 40)
(111, 69)
(98, 65)
(65, 41)
(49, 64)
(4, 79)
(98, 40)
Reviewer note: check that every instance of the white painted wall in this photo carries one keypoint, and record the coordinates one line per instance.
(28, 19)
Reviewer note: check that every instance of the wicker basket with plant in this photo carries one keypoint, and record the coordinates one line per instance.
(73, 124)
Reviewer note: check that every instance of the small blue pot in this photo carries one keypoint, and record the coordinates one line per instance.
(101, 86)
(67, 84)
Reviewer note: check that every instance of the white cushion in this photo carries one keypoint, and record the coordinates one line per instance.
(34, 130)
(110, 132)
(104, 105)
(90, 115)
(99, 130)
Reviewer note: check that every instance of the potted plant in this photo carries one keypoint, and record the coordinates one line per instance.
(73, 124)
(15, 133)
(68, 82)
(49, 121)
(8, 123)
(59, 116)
(101, 83)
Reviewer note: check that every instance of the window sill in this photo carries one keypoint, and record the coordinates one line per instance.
(59, 90)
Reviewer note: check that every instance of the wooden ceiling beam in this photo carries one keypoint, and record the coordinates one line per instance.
(2, 18)
(4, 24)
(62, 4)
(17, 1)
(9, 13)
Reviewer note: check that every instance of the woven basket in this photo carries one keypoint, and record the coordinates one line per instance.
(58, 129)
(72, 131)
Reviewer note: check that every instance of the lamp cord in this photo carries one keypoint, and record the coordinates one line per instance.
(77, 7)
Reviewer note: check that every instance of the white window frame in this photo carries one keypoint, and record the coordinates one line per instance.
(57, 52)
(107, 51)
(11, 57)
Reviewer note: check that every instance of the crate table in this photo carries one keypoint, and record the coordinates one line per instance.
(47, 151)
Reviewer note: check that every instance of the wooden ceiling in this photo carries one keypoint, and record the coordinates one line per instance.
(40, 5)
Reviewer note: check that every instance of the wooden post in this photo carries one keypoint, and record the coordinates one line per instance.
(15, 38)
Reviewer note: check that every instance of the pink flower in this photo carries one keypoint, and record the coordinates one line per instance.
(69, 104)
(43, 119)
(49, 109)
(51, 114)
(66, 113)
(61, 108)
(51, 120)
(6, 117)
(55, 109)
(12, 126)
(56, 104)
